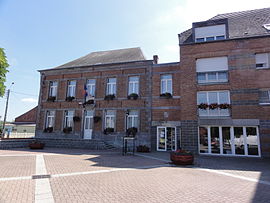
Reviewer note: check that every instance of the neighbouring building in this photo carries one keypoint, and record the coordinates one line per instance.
(216, 100)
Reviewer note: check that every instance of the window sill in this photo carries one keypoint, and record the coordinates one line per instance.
(263, 68)
(214, 117)
(264, 104)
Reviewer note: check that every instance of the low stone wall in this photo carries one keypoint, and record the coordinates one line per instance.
(73, 143)
(15, 143)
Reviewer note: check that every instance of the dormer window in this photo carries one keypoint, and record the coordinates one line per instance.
(262, 60)
(267, 26)
(210, 33)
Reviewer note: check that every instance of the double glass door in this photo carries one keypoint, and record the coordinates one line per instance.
(88, 124)
(166, 138)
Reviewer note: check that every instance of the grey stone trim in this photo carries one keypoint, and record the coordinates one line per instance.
(173, 97)
(167, 107)
(241, 67)
(166, 123)
(16, 143)
(245, 102)
(166, 64)
(165, 72)
(265, 124)
(245, 91)
(241, 56)
(229, 122)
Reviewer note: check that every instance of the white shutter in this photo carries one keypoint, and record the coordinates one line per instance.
(262, 59)
(212, 64)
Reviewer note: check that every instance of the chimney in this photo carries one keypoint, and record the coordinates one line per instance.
(155, 59)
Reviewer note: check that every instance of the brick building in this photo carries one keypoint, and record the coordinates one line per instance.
(216, 100)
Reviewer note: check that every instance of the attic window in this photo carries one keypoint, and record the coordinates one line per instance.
(267, 26)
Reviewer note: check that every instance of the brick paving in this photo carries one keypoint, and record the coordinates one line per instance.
(96, 176)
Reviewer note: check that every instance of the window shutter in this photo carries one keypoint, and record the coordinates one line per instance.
(212, 64)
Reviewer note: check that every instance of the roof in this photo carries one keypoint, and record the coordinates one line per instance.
(28, 117)
(107, 57)
(241, 24)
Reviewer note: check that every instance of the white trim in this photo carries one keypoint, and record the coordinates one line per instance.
(173, 148)
(232, 143)
(167, 86)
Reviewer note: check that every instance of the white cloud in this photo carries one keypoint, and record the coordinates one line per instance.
(29, 100)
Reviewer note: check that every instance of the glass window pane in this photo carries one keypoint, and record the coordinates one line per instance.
(224, 97)
(203, 140)
(222, 76)
(239, 140)
(212, 76)
(264, 96)
(161, 138)
(91, 81)
(201, 77)
(226, 139)
(210, 38)
(112, 80)
(199, 39)
(213, 97)
(134, 79)
(169, 86)
(220, 37)
(163, 86)
(215, 142)
(166, 76)
(202, 97)
(252, 141)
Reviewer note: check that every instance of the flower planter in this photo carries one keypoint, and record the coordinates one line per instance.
(89, 102)
(70, 99)
(67, 129)
(133, 96)
(131, 132)
(182, 157)
(108, 130)
(97, 119)
(109, 97)
(36, 145)
(166, 95)
(51, 98)
(48, 130)
(76, 119)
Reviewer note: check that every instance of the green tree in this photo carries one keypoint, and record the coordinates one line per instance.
(3, 71)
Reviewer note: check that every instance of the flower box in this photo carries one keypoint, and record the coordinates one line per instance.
(225, 106)
(89, 102)
(109, 97)
(70, 99)
(166, 95)
(182, 157)
(133, 96)
(36, 145)
(203, 106)
(48, 130)
(213, 106)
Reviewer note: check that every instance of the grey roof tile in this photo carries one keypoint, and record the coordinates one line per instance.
(241, 24)
(107, 57)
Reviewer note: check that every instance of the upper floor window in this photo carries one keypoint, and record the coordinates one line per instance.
(213, 103)
(110, 119)
(111, 86)
(68, 121)
(91, 87)
(264, 96)
(132, 119)
(262, 60)
(212, 70)
(71, 88)
(53, 89)
(50, 119)
(166, 84)
(210, 33)
(133, 85)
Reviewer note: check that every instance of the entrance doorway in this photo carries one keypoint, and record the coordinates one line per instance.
(88, 124)
(166, 138)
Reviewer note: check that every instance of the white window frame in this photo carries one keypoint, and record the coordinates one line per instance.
(111, 87)
(212, 81)
(53, 89)
(261, 103)
(91, 87)
(110, 116)
(133, 86)
(68, 118)
(204, 39)
(232, 141)
(266, 60)
(71, 88)
(166, 82)
(133, 118)
(50, 118)
(218, 102)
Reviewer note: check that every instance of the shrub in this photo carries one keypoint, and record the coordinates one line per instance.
(109, 97)
(133, 96)
(166, 95)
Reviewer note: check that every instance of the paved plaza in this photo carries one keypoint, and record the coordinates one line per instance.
(65, 175)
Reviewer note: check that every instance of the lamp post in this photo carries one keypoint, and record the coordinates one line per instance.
(5, 116)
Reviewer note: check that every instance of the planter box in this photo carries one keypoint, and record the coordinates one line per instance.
(36, 145)
(179, 158)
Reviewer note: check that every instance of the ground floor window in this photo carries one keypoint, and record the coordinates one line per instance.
(229, 140)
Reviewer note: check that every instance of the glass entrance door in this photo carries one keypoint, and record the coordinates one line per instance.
(166, 138)
(88, 124)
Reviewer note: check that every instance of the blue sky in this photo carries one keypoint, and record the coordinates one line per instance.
(47, 33)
